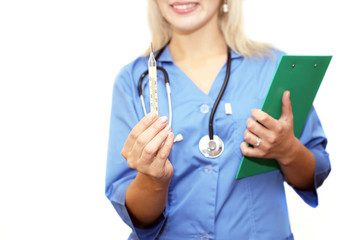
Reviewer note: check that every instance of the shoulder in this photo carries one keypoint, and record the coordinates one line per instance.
(135, 66)
(264, 65)
(262, 70)
(277, 53)
(268, 63)
(130, 73)
(271, 57)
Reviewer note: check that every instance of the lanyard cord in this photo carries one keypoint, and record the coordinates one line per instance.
(222, 90)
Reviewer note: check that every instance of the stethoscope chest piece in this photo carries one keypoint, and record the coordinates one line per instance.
(211, 148)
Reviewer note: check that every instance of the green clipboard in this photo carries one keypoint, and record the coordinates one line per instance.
(302, 76)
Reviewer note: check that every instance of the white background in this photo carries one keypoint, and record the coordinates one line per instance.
(58, 61)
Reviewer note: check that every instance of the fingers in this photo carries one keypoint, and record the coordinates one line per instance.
(269, 122)
(255, 141)
(139, 128)
(148, 135)
(275, 134)
(286, 107)
(250, 138)
(166, 148)
(263, 118)
(257, 148)
(164, 151)
(154, 146)
(148, 146)
(257, 129)
(249, 151)
(159, 166)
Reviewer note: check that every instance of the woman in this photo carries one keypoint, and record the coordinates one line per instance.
(169, 190)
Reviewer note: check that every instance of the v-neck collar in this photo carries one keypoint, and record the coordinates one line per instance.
(166, 57)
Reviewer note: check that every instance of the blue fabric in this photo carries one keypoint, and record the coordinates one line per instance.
(205, 201)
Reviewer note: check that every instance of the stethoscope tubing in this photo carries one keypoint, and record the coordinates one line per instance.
(221, 93)
(167, 84)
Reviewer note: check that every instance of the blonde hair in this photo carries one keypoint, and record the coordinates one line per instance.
(231, 25)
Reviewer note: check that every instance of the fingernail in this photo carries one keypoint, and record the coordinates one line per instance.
(163, 119)
(171, 136)
(167, 128)
(151, 116)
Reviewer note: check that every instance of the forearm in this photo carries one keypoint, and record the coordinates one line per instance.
(145, 200)
(299, 167)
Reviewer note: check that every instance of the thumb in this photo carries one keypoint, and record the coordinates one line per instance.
(286, 106)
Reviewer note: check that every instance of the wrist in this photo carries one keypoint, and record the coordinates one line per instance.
(291, 152)
(150, 183)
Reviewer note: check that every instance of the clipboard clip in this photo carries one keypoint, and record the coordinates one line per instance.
(315, 65)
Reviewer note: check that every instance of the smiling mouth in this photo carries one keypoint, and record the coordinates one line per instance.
(184, 6)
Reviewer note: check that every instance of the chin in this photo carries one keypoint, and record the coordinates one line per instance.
(187, 25)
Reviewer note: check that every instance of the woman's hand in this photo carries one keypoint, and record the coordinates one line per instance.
(147, 149)
(148, 146)
(277, 140)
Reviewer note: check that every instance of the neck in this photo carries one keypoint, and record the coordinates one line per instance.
(205, 42)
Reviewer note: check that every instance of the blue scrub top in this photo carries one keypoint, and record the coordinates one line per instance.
(205, 201)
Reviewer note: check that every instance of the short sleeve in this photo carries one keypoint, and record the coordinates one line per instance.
(314, 139)
(125, 114)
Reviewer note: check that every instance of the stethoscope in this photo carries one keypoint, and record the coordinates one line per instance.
(211, 145)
